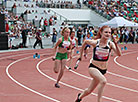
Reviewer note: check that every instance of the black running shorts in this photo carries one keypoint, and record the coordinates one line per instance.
(101, 70)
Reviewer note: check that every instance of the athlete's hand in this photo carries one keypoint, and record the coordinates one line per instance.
(115, 39)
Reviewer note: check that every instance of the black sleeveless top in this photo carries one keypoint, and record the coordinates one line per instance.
(101, 53)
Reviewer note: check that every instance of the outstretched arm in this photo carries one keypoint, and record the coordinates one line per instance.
(81, 50)
(115, 47)
(55, 47)
(89, 42)
(76, 43)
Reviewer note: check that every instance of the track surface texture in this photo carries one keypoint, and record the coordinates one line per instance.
(25, 79)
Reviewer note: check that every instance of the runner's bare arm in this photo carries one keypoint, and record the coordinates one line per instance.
(89, 42)
(115, 47)
(55, 47)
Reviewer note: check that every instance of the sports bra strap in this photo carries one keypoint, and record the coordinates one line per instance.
(108, 43)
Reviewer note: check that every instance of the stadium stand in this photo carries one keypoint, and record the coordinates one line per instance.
(49, 14)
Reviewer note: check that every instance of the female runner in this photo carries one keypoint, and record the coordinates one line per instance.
(98, 64)
(74, 45)
(61, 50)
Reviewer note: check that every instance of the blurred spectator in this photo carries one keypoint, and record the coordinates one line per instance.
(24, 36)
(137, 36)
(50, 21)
(126, 35)
(55, 16)
(45, 24)
(115, 34)
(54, 37)
(41, 22)
(7, 27)
(38, 39)
(79, 34)
(131, 36)
(91, 33)
(60, 31)
(121, 35)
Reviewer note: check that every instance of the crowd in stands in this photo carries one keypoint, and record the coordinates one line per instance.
(44, 21)
(123, 34)
(16, 24)
(111, 8)
(49, 4)
(58, 4)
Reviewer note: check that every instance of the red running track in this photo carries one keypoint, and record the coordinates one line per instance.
(24, 79)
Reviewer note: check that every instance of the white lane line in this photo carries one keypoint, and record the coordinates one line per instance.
(114, 75)
(15, 55)
(118, 86)
(7, 72)
(19, 55)
(23, 54)
(118, 75)
(77, 55)
(107, 83)
(129, 68)
(76, 88)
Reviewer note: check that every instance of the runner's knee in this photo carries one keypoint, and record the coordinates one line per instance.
(103, 81)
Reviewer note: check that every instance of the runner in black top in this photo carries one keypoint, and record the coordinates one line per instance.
(98, 63)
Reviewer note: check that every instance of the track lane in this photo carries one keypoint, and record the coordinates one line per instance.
(10, 86)
(72, 85)
(74, 92)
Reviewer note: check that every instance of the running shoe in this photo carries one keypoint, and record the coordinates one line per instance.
(57, 86)
(78, 100)
(69, 68)
(76, 66)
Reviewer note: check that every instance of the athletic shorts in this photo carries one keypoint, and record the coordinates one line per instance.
(61, 56)
(87, 46)
(101, 70)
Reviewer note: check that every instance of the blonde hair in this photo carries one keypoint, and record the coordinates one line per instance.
(64, 29)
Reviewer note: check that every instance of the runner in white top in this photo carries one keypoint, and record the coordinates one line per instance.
(74, 45)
